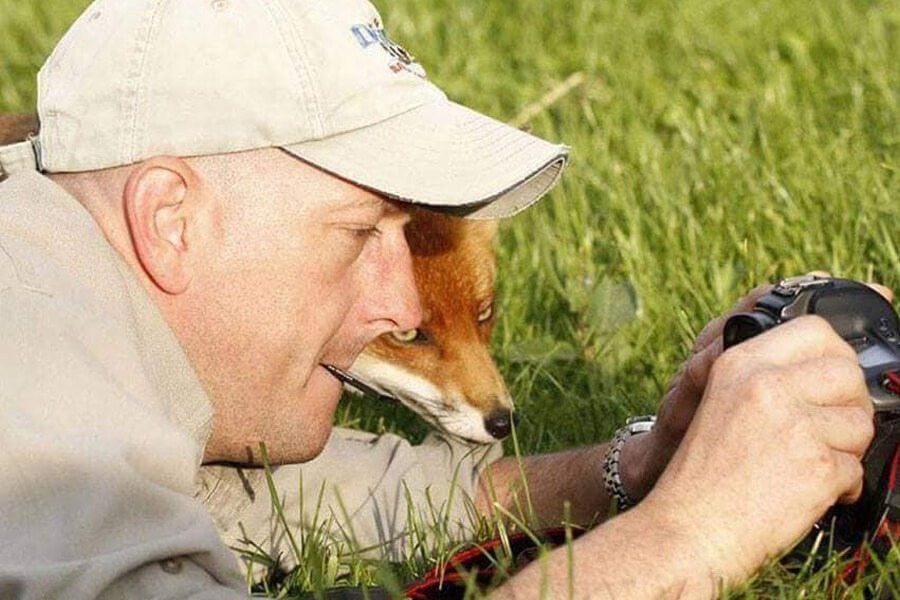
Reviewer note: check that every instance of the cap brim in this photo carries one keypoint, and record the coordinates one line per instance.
(443, 155)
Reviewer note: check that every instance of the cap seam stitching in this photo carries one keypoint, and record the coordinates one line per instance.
(426, 102)
(133, 84)
(56, 56)
(292, 41)
(561, 156)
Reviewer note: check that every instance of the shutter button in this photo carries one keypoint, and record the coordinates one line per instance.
(172, 566)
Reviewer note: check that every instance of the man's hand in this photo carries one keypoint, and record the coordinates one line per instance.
(776, 440)
(645, 456)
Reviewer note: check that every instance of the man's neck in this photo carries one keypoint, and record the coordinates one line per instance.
(99, 193)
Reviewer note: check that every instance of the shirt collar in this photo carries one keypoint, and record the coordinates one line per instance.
(163, 360)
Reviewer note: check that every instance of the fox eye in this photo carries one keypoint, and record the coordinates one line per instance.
(486, 313)
(409, 336)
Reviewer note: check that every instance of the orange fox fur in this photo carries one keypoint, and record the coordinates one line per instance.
(443, 371)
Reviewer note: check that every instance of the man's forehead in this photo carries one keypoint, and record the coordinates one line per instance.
(316, 188)
(360, 199)
(364, 200)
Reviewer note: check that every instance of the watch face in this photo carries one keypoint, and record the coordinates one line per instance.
(640, 424)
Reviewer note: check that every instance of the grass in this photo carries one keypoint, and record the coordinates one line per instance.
(715, 145)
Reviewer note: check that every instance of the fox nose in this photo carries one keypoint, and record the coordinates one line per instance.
(499, 423)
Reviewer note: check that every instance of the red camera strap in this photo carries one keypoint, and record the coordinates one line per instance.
(481, 563)
(892, 382)
(888, 531)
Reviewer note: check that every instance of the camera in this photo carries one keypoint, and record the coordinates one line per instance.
(869, 324)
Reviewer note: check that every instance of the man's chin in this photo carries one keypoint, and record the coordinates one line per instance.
(323, 389)
(294, 424)
(316, 408)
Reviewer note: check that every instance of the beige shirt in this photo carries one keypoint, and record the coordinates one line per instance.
(375, 493)
(102, 429)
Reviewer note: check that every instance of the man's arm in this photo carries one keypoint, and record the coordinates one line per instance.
(377, 493)
(639, 554)
(544, 490)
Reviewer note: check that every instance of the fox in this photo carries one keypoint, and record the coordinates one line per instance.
(443, 370)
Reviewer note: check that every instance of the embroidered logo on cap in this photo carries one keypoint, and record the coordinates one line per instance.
(373, 33)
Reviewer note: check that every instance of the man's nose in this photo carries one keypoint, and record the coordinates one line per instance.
(397, 297)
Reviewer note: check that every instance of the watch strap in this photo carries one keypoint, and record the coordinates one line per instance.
(612, 477)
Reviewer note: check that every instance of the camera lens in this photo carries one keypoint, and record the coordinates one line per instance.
(744, 326)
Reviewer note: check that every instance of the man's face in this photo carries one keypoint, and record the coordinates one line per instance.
(302, 269)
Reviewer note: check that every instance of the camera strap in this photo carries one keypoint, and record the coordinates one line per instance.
(487, 563)
(888, 531)
(474, 568)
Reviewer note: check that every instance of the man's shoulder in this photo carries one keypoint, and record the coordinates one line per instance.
(10, 188)
(51, 245)
(9, 278)
(62, 299)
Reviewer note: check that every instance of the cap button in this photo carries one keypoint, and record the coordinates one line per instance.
(172, 566)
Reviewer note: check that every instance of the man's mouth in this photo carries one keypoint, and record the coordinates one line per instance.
(348, 379)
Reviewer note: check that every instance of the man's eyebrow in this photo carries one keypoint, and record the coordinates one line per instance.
(362, 202)
(392, 207)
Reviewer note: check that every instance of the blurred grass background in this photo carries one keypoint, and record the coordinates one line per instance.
(715, 145)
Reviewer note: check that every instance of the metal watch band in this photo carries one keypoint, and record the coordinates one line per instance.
(612, 479)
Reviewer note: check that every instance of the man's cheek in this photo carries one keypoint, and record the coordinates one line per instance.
(340, 254)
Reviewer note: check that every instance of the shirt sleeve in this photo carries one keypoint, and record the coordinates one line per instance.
(97, 486)
(365, 491)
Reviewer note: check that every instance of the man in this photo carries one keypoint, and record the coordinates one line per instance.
(222, 217)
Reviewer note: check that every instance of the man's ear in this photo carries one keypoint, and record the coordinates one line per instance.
(161, 198)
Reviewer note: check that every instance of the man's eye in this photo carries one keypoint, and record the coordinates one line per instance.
(366, 232)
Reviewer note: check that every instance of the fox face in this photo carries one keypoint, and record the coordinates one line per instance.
(443, 369)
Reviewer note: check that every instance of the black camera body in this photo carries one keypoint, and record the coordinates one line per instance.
(868, 322)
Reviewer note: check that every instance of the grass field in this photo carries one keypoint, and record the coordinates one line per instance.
(715, 145)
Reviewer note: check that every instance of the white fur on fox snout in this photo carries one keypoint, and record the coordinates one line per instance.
(417, 393)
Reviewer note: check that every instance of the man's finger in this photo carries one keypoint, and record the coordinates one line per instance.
(845, 428)
(713, 329)
(886, 292)
(684, 393)
(848, 483)
(699, 365)
(746, 303)
(830, 381)
(797, 340)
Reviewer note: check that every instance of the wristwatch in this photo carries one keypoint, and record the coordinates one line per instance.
(612, 478)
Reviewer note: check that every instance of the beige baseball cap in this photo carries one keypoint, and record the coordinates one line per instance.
(321, 79)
